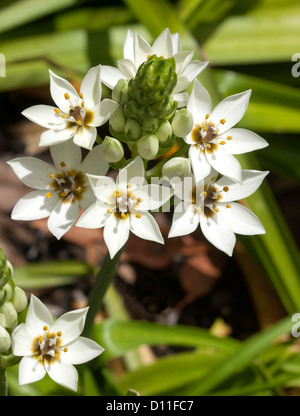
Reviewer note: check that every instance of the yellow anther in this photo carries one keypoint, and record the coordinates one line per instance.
(59, 334)
(228, 206)
(138, 215)
(82, 103)
(52, 175)
(109, 210)
(207, 116)
(65, 349)
(117, 194)
(62, 164)
(67, 96)
(205, 128)
(204, 193)
(73, 172)
(208, 145)
(81, 95)
(129, 185)
(123, 215)
(229, 137)
(225, 189)
(140, 200)
(216, 210)
(79, 189)
(223, 121)
(78, 122)
(63, 116)
(222, 142)
(45, 328)
(148, 56)
(41, 339)
(57, 110)
(48, 194)
(40, 357)
(213, 178)
(63, 194)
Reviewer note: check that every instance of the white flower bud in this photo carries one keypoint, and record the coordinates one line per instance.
(19, 299)
(9, 289)
(182, 123)
(112, 149)
(5, 340)
(117, 120)
(120, 91)
(2, 319)
(10, 314)
(133, 130)
(177, 167)
(164, 132)
(148, 147)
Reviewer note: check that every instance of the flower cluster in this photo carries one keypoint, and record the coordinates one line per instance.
(149, 113)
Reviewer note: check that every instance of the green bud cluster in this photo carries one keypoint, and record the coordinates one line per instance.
(13, 300)
(146, 108)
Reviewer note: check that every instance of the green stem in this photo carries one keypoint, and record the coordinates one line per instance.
(3, 382)
(103, 279)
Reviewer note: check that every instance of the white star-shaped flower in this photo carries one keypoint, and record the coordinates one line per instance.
(76, 115)
(52, 348)
(137, 50)
(209, 203)
(60, 190)
(213, 140)
(123, 206)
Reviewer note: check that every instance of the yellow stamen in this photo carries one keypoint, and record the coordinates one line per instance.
(140, 200)
(213, 178)
(225, 189)
(52, 175)
(138, 215)
(62, 164)
(79, 189)
(208, 145)
(207, 116)
(129, 185)
(81, 95)
(203, 193)
(148, 56)
(222, 142)
(223, 121)
(123, 215)
(117, 194)
(78, 122)
(82, 104)
(67, 96)
(216, 210)
(228, 206)
(48, 194)
(40, 357)
(63, 116)
(63, 194)
(45, 328)
(57, 110)
(65, 349)
(229, 137)
(59, 334)
(41, 339)
(109, 210)
(73, 172)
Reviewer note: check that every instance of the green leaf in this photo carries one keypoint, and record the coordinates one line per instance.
(50, 274)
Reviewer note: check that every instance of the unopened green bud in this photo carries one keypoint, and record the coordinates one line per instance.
(9, 289)
(182, 123)
(120, 91)
(5, 340)
(133, 130)
(164, 133)
(112, 150)
(148, 147)
(10, 314)
(19, 300)
(177, 167)
(117, 120)
(2, 319)
(150, 125)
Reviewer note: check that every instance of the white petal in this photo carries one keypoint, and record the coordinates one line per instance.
(182, 59)
(88, 198)
(128, 49)
(199, 103)
(67, 153)
(81, 350)
(85, 137)
(104, 187)
(34, 206)
(30, 370)
(33, 172)
(242, 141)
(133, 173)
(110, 76)
(241, 220)
(52, 137)
(190, 73)
(231, 109)
(141, 50)
(94, 163)
(103, 111)
(44, 115)
(37, 317)
(153, 196)
(163, 45)
(146, 227)
(58, 87)
(181, 98)
(217, 234)
(225, 163)
(94, 217)
(62, 218)
(185, 221)
(116, 233)
(70, 324)
(176, 42)
(64, 374)
(22, 340)
(251, 180)
(91, 87)
(127, 68)
(201, 166)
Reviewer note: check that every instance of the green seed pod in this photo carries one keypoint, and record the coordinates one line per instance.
(182, 123)
(148, 147)
(113, 150)
(5, 340)
(10, 314)
(164, 133)
(133, 130)
(117, 120)
(19, 300)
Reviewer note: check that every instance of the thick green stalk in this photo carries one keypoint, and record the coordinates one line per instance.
(3, 382)
(103, 279)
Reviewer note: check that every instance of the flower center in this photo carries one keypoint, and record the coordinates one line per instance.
(124, 203)
(48, 346)
(205, 134)
(69, 184)
(78, 114)
(207, 201)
